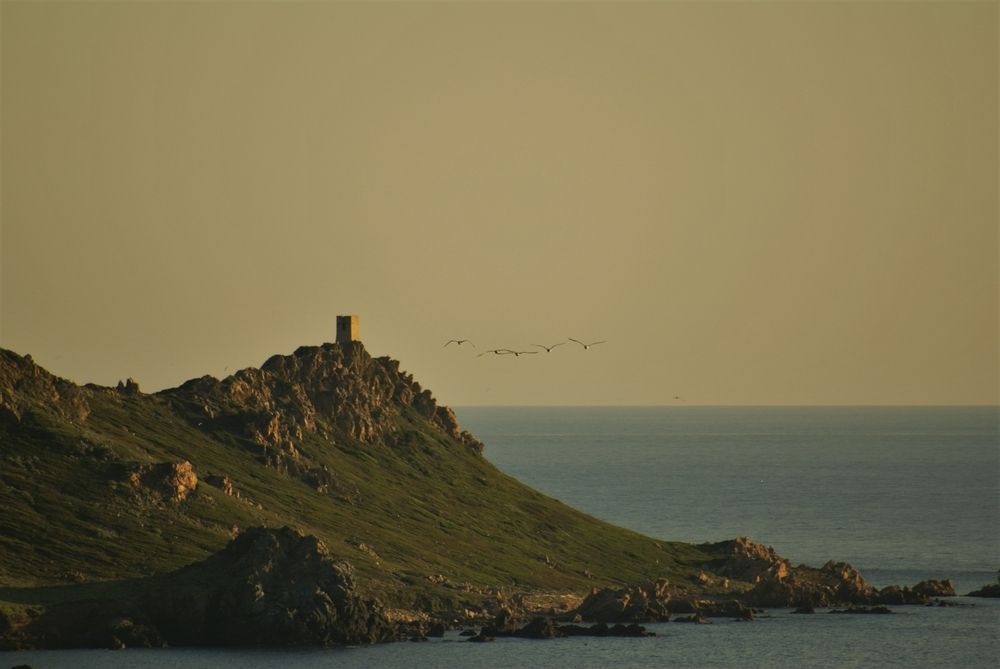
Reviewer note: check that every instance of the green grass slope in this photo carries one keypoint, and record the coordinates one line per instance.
(328, 441)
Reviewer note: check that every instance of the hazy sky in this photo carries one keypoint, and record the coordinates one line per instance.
(755, 203)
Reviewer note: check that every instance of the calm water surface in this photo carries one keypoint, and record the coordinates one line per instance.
(902, 493)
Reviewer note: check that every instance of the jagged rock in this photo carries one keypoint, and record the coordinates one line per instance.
(173, 481)
(921, 593)
(470, 441)
(26, 387)
(221, 482)
(337, 391)
(751, 562)
(641, 603)
(130, 388)
(934, 588)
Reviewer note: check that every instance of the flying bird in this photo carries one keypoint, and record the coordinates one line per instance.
(496, 351)
(507, 351)
(548, 349)
(586, 346)
(458, 341)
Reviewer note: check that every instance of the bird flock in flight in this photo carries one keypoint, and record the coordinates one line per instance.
(515, 353)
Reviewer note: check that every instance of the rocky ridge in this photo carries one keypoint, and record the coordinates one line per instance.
(336, 391)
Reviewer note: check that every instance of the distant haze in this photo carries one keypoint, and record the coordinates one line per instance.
(754, 203)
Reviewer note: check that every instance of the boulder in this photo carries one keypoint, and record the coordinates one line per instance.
(172, 481)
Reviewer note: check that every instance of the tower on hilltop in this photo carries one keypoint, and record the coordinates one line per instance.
(348, 328)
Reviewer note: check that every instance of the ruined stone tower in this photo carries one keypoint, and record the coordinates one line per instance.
(348, 328)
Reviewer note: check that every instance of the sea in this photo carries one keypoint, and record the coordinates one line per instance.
(902, 493)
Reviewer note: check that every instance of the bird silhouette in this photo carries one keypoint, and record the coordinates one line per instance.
(458, 341)
(495, 351)
(586, 346)
(508, 351)
(548, 349)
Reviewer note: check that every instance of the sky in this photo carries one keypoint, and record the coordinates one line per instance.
(753, 203)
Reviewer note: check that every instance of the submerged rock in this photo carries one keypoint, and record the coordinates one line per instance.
(864, 610)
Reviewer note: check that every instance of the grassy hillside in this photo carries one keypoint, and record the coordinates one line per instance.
(328, 441)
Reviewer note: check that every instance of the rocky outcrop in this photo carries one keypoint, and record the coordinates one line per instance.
(171, 481)
(266, 588)
(751, 562)
(129, 388)
(26, 387)
(991, 590)
(921, 593)
(647, 602)
(336, 391)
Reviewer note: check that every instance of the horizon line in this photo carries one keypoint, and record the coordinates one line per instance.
(747, 406)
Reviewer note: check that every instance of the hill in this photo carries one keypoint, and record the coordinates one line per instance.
(149, 514)
(106, 483)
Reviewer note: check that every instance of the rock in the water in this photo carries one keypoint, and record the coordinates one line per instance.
(539, 628)
(921, 593)
(638, 604)
(481, 638)
(697, 618)
(992, 590)
(934, 588)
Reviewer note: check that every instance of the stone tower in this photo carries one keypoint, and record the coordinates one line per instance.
(348, 328)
